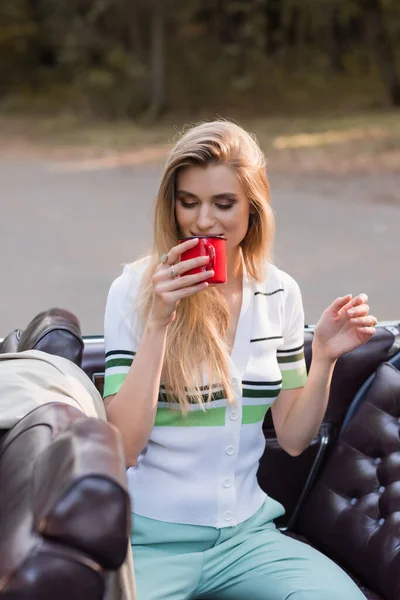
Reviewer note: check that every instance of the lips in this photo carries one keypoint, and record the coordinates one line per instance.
(209, 233)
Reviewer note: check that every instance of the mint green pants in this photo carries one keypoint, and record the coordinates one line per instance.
(251, 561)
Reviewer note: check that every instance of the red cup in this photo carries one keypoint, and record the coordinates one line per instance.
(213, 246)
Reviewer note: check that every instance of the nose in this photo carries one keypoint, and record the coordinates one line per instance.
(205, 218)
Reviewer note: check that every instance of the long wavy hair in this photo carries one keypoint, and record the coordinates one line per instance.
(196, 350)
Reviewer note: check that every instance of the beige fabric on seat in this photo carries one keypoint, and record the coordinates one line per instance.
(32, 378)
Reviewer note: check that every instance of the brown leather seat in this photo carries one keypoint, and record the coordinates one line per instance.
(55, 331)
(64, 507)
(289, 478)
(353, 512)
(62, 474)
(10, 342)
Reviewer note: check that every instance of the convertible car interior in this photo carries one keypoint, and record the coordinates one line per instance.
(64, 509)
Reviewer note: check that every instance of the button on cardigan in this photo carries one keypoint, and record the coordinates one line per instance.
(201, 468)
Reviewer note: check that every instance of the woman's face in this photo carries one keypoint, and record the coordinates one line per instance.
(210, 201)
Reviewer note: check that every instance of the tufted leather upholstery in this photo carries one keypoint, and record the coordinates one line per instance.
(354, 368)
(353, 512)
(286, 477)
(351, 370)
(44, 544)
(61, 475)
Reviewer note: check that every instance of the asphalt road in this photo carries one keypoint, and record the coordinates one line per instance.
(65, 235)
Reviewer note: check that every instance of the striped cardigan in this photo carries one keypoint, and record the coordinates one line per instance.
(200, 468)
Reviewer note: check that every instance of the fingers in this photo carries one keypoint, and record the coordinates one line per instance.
(187, 291)
(364, 322)
(177, 250)
(170, 285)
(171, 297)
(367, 332)
(192, 263)
(340, 302)
(360, 299)
(166, 272)
(358, 311)
(351, 303)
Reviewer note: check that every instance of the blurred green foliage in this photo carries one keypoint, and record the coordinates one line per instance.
(122, 58)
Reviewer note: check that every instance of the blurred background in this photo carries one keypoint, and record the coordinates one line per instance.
(93, 93)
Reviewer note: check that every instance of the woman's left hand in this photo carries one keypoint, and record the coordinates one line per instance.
(343, 326)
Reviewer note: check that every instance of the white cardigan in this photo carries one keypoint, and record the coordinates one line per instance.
(201, 469)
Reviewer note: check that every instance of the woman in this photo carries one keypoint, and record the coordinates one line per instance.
(191, 370)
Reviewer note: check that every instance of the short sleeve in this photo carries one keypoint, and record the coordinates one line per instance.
(121, 329)
(291, 353)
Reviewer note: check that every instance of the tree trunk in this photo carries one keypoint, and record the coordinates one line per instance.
(334, 41)
(135, 30)
(291, 39)
(382, 48)
(43, 51)
(157, 93)
(273, 11)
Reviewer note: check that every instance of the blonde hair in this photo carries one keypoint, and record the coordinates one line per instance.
(196, 338)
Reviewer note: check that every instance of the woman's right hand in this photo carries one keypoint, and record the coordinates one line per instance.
(169, 289)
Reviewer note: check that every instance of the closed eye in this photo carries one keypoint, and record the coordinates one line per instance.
(224, 206)
(186, 204)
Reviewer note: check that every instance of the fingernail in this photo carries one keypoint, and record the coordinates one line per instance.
(351, 312)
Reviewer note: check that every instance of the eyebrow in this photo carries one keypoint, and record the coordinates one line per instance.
(229, 195)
